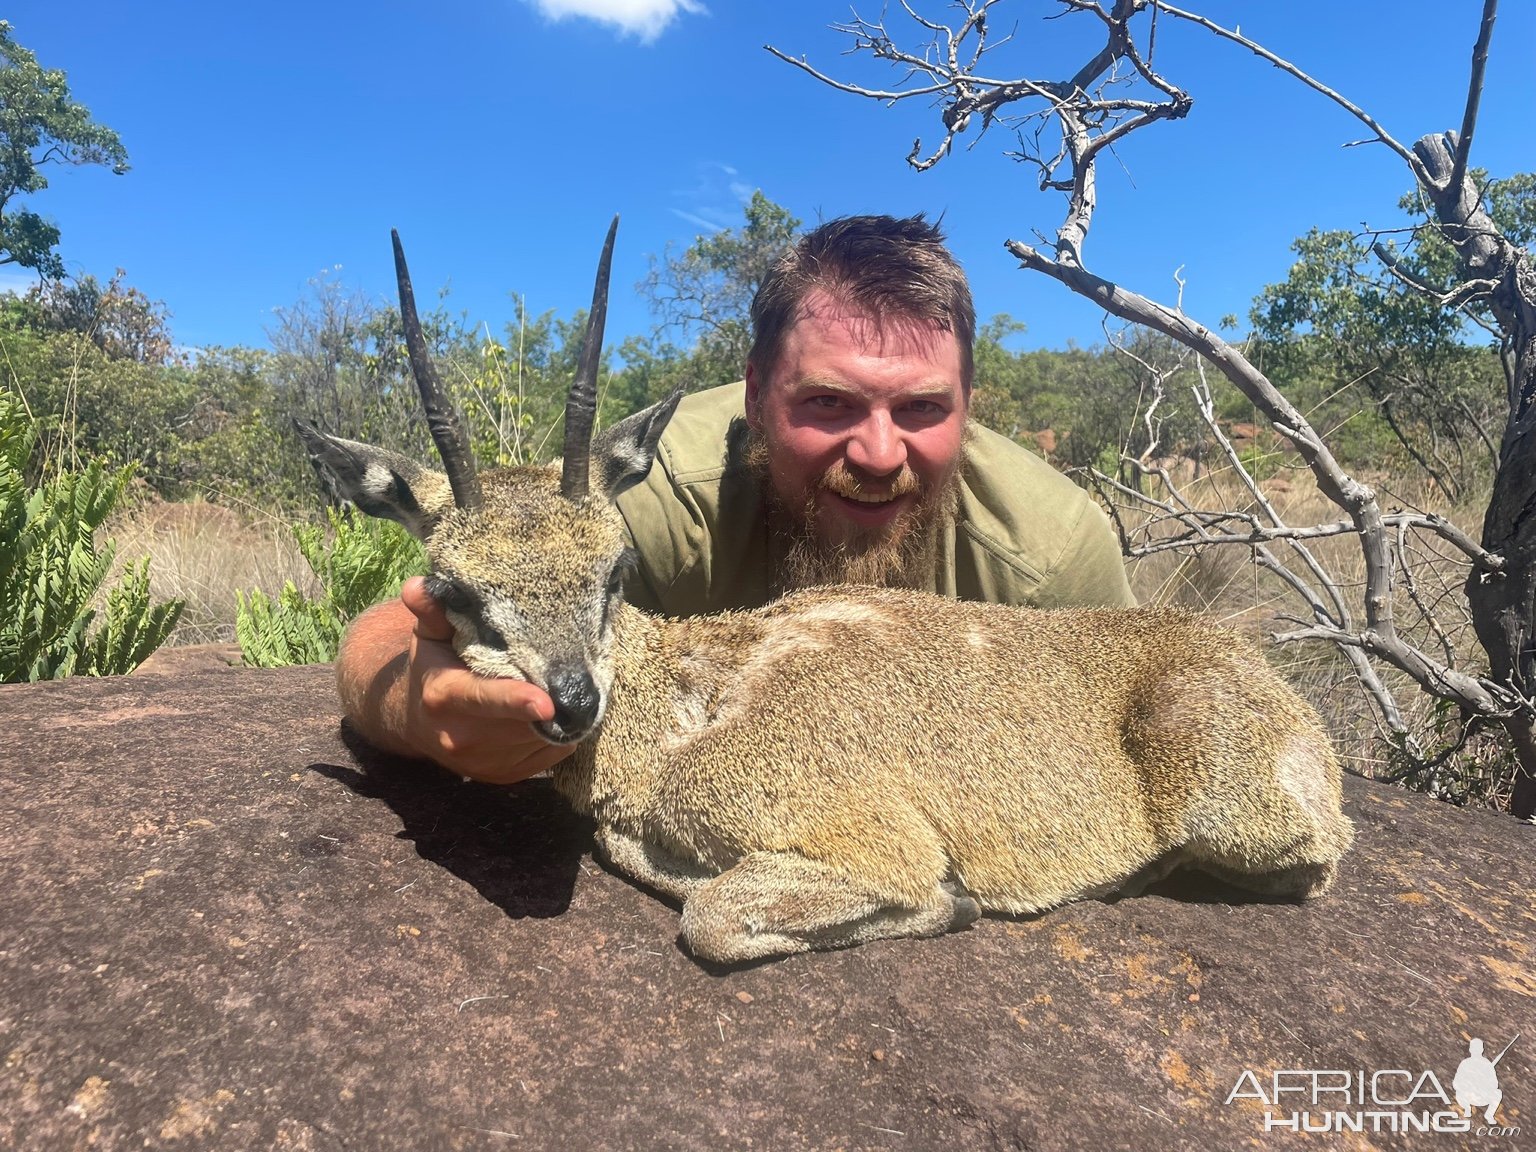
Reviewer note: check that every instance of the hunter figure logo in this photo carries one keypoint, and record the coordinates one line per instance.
(1384, 1100)
(1477, 1083)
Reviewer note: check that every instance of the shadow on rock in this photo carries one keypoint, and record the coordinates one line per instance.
(1192, 886)
(520, 847)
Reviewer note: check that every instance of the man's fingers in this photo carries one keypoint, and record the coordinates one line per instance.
(477, 726)
(448, 689)
(506, 766)
(431, 620)
(447, 686)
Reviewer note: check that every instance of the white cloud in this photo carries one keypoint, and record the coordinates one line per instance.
(711, 224)
(646, 19)
(716, 198)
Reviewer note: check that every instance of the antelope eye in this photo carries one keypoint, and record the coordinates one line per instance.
(628, 561)
(449, 595)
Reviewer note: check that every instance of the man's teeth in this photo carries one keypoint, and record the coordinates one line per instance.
(868, 497)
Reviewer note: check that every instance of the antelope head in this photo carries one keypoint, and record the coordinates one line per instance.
(528, 562)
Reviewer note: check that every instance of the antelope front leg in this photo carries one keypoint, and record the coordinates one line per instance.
(772, 903)
(652, 866)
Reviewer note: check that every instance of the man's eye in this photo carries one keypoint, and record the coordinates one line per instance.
(827, 402)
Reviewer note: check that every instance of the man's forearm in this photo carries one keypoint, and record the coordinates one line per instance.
(371, 675)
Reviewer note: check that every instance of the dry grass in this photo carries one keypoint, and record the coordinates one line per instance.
(203, 553)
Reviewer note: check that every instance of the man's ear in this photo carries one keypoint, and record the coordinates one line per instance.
(755, 385)
(623, 453)
(380, 483)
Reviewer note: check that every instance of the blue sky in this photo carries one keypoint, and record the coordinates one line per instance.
(272, 143)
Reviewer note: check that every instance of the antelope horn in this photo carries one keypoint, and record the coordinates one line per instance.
(447, 432)
(581, 403)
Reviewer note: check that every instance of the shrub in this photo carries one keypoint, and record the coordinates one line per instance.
(52, 569)
(365, 561)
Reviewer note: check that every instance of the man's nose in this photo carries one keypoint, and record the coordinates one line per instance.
(876, 446)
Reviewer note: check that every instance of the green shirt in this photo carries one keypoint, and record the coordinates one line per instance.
(1024, 533)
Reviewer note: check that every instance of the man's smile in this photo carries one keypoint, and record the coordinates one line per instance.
(869, 509)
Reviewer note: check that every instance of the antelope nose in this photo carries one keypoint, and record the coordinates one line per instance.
(576, 700)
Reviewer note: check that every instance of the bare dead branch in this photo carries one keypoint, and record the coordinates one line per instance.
(854, 89)
(1482, 696)
(1458, 296)
(1291, 70)
(1195, 528)
(1207, 407)
(1211, 531)
(1474, 91)
(1411, 587)
(1089, 117)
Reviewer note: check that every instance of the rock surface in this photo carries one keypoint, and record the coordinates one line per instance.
(222, 927)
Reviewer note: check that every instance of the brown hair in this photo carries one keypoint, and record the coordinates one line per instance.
(884, 265)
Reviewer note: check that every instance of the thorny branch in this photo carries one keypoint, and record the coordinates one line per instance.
(1115, 92)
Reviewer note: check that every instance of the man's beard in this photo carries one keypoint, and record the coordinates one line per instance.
(901, 554)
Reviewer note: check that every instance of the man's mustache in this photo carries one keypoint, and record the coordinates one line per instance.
(840, 480)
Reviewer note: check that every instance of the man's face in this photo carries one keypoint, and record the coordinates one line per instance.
(862, 424)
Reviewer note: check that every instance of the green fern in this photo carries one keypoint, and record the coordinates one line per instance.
(52, 569)
(360, 562)
(288, 630)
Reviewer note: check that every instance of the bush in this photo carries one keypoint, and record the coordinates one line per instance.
(365, 561)
(52, 570)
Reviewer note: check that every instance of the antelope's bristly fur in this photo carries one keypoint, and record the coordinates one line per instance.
(854, 763)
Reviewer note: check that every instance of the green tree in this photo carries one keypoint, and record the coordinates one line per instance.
(339, 360)
(705, 293)
(997, 392)
(92, 406)
(1372, 336)
(40, 125)
(118, 318)
(512, 391)
(236, 444)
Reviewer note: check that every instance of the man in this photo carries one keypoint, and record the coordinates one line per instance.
(844, 457)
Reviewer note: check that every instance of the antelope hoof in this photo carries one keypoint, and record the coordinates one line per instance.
(966, 910)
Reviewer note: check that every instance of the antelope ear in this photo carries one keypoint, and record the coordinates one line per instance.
(381, 483)
(624, 452)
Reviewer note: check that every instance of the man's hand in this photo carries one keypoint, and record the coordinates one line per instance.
(406, 690)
